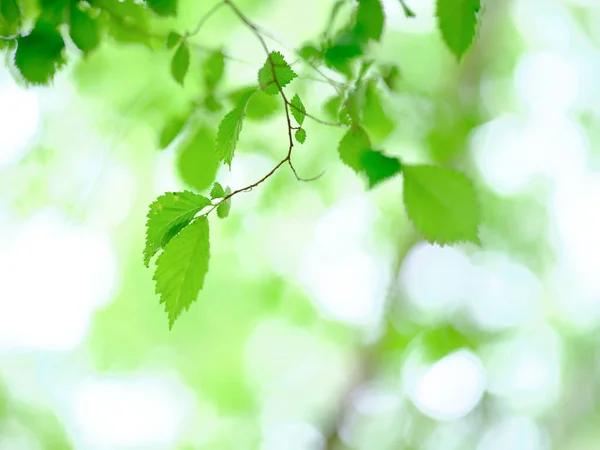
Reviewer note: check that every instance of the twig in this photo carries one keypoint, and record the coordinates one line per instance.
(205, 17)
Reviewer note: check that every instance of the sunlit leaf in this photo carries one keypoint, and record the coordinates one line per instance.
(275, 74)
(230, 129)
(182, 267)
(298, 109)
(168, 215)
(441, 203)
(458, 22)
(217, 191)
(301, 135)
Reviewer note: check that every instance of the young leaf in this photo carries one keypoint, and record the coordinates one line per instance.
(441, 203)
(173, 39)
(301, 135)
(163, 8)
(217, 191)
(298, 109)
(197, 161)
(180, 62)
(230, 129)
(83, 29)
(370, 19)
(458, 21)
(181, 268)
(170, 131)
(168, 215)
(378, 167)
(275, 74)
(214, 67)
(374, 117)
(352, 146)
(224, 207)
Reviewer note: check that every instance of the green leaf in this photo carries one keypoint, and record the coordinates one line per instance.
(170, 131)
(275, 74)
(83, 29)
(214, 67)
(374, 118)
(378, 167)
(180, 62)
(370, 19)
(182, 267)
(224, 207)
(10, 17)
(163, 8)
(230, 129)
(298, 109)
(217, 191)
(260, 106)
(301, 135)
(39, 54)
(168, 215)
(310, 53)
(441, 203)
(409, 13)
(352, 146)
(197, 160)
(457, 20)
(173, 39)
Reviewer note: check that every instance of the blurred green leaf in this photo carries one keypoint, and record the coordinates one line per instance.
(168, 215)
(170, 131)
(378, 167)
(370, 19)
(230, 129)
(374, 118)
(441, 203)
(10, 17)
(181, 268)
(163, 8)
(197, 160)
(180, 62)
(213, 69)
(352, 146)
(173, 39)
(260, 106)
(457, 21)
(39, 54)
(390, 74)
(298, 109)
(83, 29)
(276, 73)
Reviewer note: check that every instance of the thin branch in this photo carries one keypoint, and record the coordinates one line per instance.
(205, 17)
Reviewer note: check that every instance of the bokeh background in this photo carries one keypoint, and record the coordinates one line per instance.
(325, 321)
